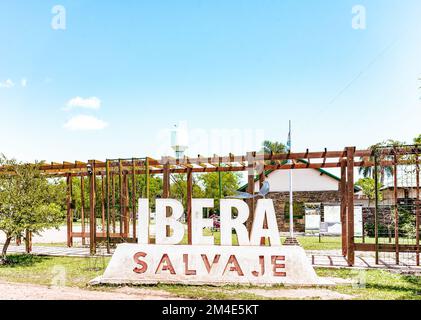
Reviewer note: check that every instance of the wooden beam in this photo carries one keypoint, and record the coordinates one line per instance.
(126, 205)
(69, 216)
(82, 207)
(102, 203)
(113, 201)
(134, 212)
(92, 216)
(376, 209)
(350, 205)
(343, 194)
(108, 206)
(250, 190)
(265, 222)
(120, 190)
(417, 209)
(395, 201)
(166, 188)
(189, 204)
(385, 247)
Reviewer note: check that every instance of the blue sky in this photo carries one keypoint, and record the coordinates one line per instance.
(242, 67)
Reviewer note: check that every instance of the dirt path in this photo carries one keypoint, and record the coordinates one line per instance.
(305, 293)
(22, 291)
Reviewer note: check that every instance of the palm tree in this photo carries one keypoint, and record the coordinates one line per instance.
(273, 147)
(368, 172)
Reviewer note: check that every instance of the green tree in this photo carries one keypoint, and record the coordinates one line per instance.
(368, 188)
(273, 146)
(417, 140)
(368, 172)
(178, 188)
(230, 182)
(26, 202)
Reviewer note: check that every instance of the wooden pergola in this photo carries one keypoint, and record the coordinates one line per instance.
(253, 162)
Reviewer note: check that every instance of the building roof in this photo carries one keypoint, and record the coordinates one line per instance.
(356, 188)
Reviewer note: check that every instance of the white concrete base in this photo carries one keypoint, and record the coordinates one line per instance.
(200, 265)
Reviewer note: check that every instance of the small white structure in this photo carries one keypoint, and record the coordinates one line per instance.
(180, 139)
(304, 180)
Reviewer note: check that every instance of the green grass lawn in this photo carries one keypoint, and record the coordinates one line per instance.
(307, 242)
(78, 271)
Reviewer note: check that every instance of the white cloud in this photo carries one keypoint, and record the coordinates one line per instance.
(7, 84)
(23, 82)
(88, 103)
(84, 122)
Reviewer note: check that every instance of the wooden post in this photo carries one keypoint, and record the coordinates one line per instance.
(92, 216)
(107, 173)
(343, 189)
(120, 184)
(363, 224)
(166, 187)
(250, 189)
(102, 203)
(69, 210)
(265, 222)
(126, 205)
(134, 213)
(147, 178)
(395, 200)
(376, 209)
(417, 209)
(350, 210)
(189, 204)
(82, 207)
(113, 201)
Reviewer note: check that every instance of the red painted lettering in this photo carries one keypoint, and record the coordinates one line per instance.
(206, 261)
(186, 266)
(165, 264)
(233, 265)
(277, 265)
(143, 264)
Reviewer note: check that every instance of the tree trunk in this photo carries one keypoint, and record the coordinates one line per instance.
(4, 251)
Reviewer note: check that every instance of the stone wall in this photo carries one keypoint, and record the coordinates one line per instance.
(281, 203)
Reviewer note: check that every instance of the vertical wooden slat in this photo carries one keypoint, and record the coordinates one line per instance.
(166, 187)
(395, 201)
(121, 201)
(417, 210)
(343, 188)
(107, 173)
(189, 204)
(113, 201)
(92, 216)
(69, 210)
(376, 209)
(350, 204)
(102, 203)
(265, 222)
(82, 207)
(147, 178)
(134, 197)
(250, 189)
(126, 205)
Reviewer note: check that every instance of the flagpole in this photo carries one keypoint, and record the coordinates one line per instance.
(291, 207)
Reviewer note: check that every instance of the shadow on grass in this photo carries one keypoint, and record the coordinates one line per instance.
(415, 280)
(23, 260)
